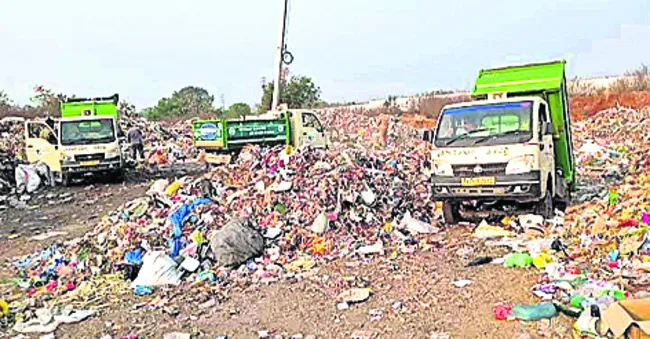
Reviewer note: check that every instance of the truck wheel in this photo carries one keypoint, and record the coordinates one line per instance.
(66, 179)
(117, 176)
(545, 207)
(450, 213)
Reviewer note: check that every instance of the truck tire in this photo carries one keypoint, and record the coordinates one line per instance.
(545, 207)
(450, 213)
(117, 177)
(66, 179)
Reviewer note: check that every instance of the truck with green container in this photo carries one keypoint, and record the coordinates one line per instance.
(509, 151)
(292, 127)
(84, 140)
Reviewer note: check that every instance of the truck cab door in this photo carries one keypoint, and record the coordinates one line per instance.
(313, 132)
(41, 146)
(547, 153)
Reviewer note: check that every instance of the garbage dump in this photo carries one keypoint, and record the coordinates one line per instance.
(274, 213)
(278, 213)
(596, 260)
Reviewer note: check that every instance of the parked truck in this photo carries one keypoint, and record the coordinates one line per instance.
(295, 127)
(84, 140)
(509, 151)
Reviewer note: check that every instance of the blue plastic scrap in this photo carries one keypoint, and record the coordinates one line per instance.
(143, 290)
(134, 257)
(178, 217)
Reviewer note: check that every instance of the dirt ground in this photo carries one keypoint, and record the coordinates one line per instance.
(414, 295)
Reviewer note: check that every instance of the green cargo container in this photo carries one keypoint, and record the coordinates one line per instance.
(80, 107)
(225, 134)
(547, 81)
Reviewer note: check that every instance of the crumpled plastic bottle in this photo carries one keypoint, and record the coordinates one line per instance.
(534, 312)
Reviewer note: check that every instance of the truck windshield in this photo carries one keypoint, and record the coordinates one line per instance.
(87, 132)
(490, 124)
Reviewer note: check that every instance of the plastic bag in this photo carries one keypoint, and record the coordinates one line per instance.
(27, 179)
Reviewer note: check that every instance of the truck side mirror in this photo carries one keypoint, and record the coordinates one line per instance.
(547, 128)
(427, 135)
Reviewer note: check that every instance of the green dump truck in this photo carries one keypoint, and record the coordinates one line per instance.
(509, 151)
(293, 127)
(85, 140)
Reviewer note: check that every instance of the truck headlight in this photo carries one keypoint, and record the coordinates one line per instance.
(442, 168)
(520, 164)
(68, 158)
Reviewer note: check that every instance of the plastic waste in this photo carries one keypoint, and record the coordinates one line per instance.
(417, 226)
(157, 269)
(355, 295)
(542, 260)
(235, 243)
(27, 179)
(534, 312)
(589, 324)
(46, 321)
(4, 307)
(479, 261)
(519, 259)
(176, 335)
(485, 231)
(462, 283)
(143, 290)
(377, 248)
(319, 226)
(134, 257)
(502, 312)
(173, 188)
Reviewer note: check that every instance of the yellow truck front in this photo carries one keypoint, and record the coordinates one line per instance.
(84, 141)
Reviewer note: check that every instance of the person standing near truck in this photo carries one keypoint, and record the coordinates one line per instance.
(135, 138)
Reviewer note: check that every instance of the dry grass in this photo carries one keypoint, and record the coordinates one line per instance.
(637, 80)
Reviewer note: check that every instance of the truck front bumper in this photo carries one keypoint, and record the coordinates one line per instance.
(513, 187)
(102, 166)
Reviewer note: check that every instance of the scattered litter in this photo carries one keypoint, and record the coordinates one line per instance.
(462, 283)
(355, 295)
(45, 236)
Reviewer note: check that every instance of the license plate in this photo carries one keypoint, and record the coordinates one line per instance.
(90, 163)
(480, 181)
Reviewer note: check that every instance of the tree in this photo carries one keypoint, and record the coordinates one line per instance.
(238, 110)
(298, 92)
(4, 99)
(125, 108)
(47, 101)
(188, 102)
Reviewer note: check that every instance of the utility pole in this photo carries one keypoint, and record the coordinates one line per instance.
(278, 58)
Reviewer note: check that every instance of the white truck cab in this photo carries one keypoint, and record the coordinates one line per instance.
(495, 150)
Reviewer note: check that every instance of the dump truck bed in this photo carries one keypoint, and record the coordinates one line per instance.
(80, 107)
(546, 80)
(228, 134)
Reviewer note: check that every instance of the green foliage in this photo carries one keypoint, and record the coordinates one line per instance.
(4, 99)
(238, 110)
(189, 102)
(298, 92)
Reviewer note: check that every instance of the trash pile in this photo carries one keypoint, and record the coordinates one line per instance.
(165, 143)
(271, 215)
(278, 213)
(595, 265)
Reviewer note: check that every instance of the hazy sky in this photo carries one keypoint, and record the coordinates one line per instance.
(353, 49)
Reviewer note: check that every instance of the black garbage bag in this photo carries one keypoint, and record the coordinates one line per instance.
(235, 243)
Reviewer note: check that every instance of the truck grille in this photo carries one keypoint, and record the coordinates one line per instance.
(89, 157)
(469, 171)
